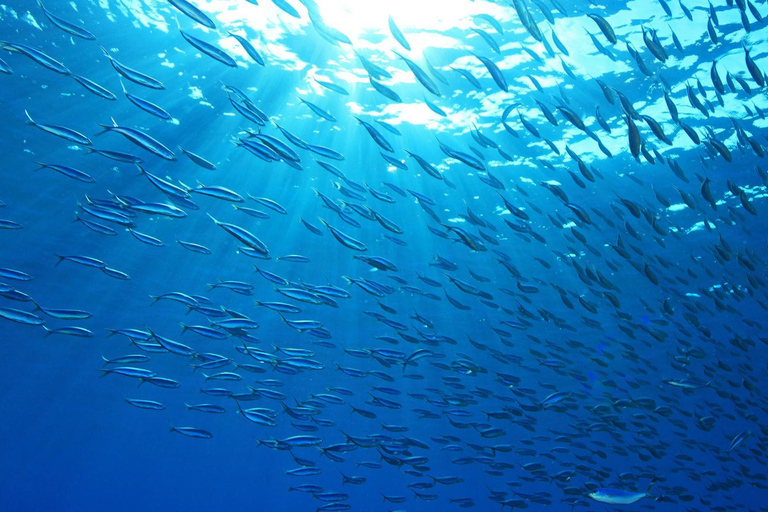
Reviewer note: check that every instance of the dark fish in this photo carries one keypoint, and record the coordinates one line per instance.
(197, 433)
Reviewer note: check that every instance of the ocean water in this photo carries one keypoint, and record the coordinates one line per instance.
(489, 309)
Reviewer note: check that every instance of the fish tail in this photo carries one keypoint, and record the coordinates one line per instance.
(29, 117)
(104, 129)
(106, 361)
(47, 332)
(61, 258)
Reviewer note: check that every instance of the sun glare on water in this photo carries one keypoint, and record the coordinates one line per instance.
(356, 18)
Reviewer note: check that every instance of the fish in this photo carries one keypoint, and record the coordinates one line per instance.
(60, 131)
(398, 35)
(146, 106)
(495, 72)
(193, 13)
(198, 160)
(332, 86)
(421, 76)
(243, 235)
(69, 172)
(604, 27)
(208, 49)
(21, 317)
(377, 137)
(249, 48)
(69, 28)
(141, 139)
(618, 496)
(523, 248)
(344, 239)
(319, 111)
(36, 55)
(194, 432)
(132, 74)
(93, 87)
(145, 404)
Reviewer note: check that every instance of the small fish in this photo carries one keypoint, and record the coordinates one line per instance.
(194, 432)
(69, 172)
(208, 49)
(69, 28)
(193, 13)
(344, 239)
(133, 75)
(60, 131)
(141, 139)
(145, 404)
(398, 35)
(21, 317)
(36, 55)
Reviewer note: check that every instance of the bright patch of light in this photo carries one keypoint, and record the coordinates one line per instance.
(32, 21)
(356, 18)
(195, 93)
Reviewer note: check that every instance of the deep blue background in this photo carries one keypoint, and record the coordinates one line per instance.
(70, 442)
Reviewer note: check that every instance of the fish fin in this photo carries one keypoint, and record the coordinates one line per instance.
(104, 129)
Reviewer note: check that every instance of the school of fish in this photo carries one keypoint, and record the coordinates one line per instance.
(540, 290)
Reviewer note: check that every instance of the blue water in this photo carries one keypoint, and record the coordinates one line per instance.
(620, 309)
